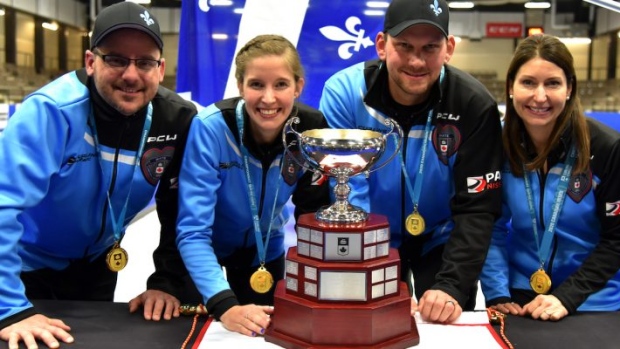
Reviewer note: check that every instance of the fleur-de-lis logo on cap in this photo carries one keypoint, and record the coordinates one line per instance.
(357, 37)
(435, 8)
(147, 18)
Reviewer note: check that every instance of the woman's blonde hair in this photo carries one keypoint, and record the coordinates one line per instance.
(265, 45)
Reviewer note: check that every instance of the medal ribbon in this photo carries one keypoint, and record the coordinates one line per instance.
(417, 189)
(261, 247)
(117, 222)
(560, 194)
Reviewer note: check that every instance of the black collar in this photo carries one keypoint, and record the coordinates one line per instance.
(105, 111)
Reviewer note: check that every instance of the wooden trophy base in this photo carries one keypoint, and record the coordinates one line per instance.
(299, 323)
(342, 289)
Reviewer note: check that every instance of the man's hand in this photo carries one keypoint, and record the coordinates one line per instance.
(250, 320)
(36, 327)
(508, 308)
(438, 306)
(545, 307)
(155, 302)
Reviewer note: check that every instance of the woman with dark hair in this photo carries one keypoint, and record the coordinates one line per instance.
(556, 248)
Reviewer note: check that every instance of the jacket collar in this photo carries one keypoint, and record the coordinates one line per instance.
(558, 153)
(105, 111)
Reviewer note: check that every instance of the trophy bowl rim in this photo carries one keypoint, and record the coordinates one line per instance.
(341, 134)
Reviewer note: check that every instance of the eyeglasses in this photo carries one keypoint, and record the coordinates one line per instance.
(119, 62)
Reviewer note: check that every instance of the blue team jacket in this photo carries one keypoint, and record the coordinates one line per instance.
(215, 218)
(585, 253)
(53, 190)
(460, 194)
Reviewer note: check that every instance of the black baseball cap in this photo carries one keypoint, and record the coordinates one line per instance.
(125, 15)
(402, 14)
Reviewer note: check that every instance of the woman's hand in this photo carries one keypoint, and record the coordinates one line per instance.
(250, 320)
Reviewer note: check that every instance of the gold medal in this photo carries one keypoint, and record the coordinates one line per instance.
(117, 258)
(261, 281)
(415, 224)
(540, 281)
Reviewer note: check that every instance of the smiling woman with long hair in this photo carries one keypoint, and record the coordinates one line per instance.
(556, 248)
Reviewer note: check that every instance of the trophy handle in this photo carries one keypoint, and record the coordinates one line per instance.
(288, 128)
(397, 131)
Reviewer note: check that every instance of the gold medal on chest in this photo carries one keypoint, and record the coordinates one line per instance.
(117, 258)
(415, 224)
(261, 281)
(540, 281)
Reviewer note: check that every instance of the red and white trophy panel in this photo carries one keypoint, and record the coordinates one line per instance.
(342, 289)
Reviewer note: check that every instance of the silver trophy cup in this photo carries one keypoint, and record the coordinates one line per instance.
(342, 153)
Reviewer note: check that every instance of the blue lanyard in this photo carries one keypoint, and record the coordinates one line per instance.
(417, 189)
(560, 194)
(262, 247)
(117, 223)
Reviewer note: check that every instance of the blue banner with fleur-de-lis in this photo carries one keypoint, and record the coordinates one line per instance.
(329, 34)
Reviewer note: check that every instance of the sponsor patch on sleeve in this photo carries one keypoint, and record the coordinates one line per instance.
(612, 208)
(318, 178)
(488, 181)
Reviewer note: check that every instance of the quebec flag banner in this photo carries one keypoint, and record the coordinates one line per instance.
(329, 34)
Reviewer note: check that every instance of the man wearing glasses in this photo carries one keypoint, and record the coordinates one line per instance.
(80, 158)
